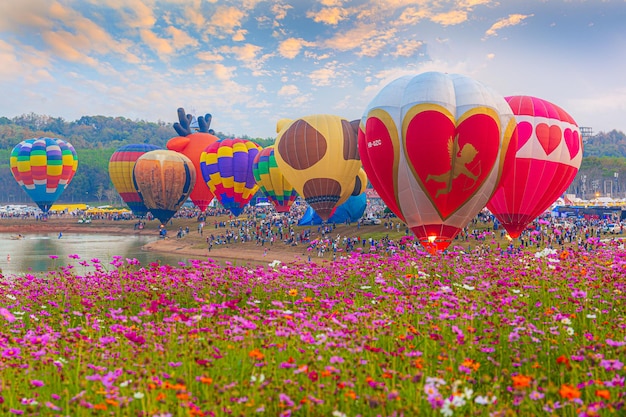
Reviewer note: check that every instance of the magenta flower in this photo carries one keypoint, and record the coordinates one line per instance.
(37, 383)
(11, 352)
(53, 257)
(8, 316)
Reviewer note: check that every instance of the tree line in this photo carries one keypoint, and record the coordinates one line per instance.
(95, 138)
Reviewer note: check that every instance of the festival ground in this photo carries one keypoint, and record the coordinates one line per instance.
(195, 244)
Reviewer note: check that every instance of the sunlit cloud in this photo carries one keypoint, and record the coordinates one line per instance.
(328, 15)
(511, 20)
(290, 48)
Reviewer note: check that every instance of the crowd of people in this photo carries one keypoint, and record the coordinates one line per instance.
(265, 228)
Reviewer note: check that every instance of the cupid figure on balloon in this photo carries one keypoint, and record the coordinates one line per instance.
(459, 161)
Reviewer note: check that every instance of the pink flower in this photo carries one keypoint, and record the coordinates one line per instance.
(11, 352)
(7, 315)
(37, 383)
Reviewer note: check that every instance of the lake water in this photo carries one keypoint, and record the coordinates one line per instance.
(32, 253)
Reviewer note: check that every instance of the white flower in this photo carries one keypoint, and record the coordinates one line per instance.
(125, 383)
(11, 297)
(566, 321)
(337, 413)
(260, 378)
(468, 287)
(467, 393)
(591, 316)
(570, 331)
(138, 395)
(366, 287)
(484, 400)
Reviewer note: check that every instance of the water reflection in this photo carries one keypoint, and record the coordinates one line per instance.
(32, 253)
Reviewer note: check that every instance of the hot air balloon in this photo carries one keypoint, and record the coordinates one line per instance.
(360, 183)
(164, 178)
(191, 144)
(121, 165)
(226, 167)
(318, 155)
(549, 153)
(43, 167)
(272, 181)
(434, 146)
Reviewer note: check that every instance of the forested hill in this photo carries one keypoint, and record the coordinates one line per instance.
(91, 132)
(611, 144)
(95, 138)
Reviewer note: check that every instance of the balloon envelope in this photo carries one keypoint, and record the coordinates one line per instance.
(43, 167)
(318, 155)
(226, 167)
(350, 211)
(121, 165)
(549, 154)
(192, 147)
(164, 178)
(433, 147)
(272, 181)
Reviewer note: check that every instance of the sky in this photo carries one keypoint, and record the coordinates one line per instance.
(250, 63)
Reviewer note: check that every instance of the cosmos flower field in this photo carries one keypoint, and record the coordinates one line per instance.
(530, 333)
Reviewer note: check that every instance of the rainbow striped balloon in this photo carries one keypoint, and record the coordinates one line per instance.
(121, 167)
(272, 181)
(44, 167)
(226, 167)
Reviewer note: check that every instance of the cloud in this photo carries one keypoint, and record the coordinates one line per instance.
(181, 39)
(280, 10)
(290, 48)
(408, 48)
(324, 76)
(226, 20)
(453, 17)
(159, 45)
(328, 15)
(354, 38)
(288, 90)
(511, 20)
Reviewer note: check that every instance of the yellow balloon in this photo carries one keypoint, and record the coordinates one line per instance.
(318, 155)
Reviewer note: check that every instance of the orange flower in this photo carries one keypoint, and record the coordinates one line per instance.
(471, 364)
(112, 402)
(293, 292)
(569, 392)
(256, 354)
(418, 363)
(160, 397)
(100, 406)
(206, 380)
(521, 381)
(563, 360)
(603, 393)
(350, 394)
(183, 396)
(307, 300)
